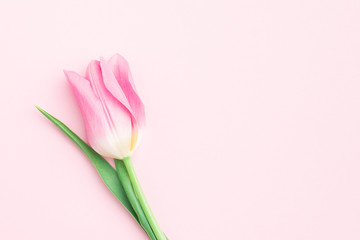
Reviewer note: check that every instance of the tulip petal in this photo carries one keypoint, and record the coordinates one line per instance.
(121, 71)
(103, 116)
(113, 87)
(111, 84)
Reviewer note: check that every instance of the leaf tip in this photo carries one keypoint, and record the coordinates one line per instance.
(39, 108)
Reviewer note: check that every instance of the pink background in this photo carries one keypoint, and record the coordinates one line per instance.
(253, 112)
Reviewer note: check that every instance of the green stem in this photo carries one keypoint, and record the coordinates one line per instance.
(125, 181)
(145, 206)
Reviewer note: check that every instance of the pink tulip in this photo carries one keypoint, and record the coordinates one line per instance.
(111, 108)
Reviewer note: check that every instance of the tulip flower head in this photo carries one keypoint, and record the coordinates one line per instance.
(111, 108)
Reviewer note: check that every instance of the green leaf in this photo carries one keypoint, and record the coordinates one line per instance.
(105, 170)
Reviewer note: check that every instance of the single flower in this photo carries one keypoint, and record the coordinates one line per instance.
(111, 108)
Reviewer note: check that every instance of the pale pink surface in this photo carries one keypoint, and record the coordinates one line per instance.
(253, 109)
